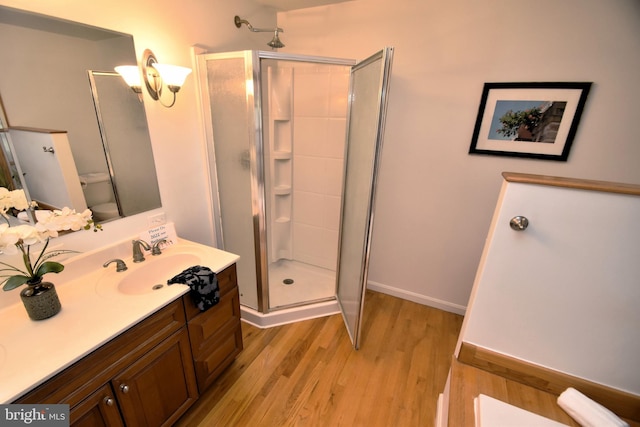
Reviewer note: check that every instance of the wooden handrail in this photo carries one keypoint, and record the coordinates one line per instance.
(581, 184)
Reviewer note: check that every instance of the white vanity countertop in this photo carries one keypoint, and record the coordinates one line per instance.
(33, 351)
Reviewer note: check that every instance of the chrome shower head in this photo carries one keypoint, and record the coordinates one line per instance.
(275, 42)
(238, 21)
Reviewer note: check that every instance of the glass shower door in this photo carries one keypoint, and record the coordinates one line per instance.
(365, 129)
(232, 127)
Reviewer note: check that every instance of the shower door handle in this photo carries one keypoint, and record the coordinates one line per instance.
(245, 159)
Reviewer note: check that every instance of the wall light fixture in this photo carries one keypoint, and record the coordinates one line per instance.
(155, 76)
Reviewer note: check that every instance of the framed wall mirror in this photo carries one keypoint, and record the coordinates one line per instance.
(58, 75)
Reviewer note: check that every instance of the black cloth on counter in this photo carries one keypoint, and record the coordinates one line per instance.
(203, 283)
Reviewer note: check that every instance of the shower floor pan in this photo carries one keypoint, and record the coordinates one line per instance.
(297, 291)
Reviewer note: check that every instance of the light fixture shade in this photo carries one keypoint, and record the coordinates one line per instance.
(130, 74)
(172, 75)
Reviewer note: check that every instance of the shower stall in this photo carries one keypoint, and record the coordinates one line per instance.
(276, 127)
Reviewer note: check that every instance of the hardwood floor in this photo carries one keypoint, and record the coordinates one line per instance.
(308, 374)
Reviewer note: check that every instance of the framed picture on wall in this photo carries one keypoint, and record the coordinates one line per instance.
(535, 120)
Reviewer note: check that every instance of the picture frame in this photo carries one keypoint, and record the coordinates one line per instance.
(535, 120)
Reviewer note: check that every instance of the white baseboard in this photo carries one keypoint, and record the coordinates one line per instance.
(312, 311)
(417, 298)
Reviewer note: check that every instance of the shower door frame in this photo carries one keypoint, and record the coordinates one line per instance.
(262, 255)
(253, 74)
(103, 132)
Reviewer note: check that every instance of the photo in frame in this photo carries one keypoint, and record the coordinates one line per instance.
(534, 120)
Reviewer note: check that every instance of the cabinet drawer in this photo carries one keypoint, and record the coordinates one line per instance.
(221, 319)
(217, 357)
(227, 281)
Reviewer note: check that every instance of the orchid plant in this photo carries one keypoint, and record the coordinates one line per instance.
(15, 199)
(18, 239)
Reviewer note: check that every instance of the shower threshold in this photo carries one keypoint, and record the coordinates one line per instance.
(289, 314)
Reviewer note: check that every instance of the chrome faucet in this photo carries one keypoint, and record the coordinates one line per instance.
(138, 256)
(120, 265)
(156, 247)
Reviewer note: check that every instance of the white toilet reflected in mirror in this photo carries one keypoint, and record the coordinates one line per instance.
(99, 195)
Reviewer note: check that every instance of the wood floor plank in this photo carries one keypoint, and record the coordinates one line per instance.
(308, 374)
(323, 402)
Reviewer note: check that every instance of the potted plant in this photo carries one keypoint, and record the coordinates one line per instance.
(39, 298)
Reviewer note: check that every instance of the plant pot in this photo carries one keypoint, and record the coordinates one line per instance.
(40, 299)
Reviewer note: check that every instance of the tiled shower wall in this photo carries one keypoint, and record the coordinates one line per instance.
(320, 110)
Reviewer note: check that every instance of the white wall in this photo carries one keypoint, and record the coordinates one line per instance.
(170, 30)
(434, 201)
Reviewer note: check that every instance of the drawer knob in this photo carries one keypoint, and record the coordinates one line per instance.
(519, 223)
(124, 388)
(108, 401)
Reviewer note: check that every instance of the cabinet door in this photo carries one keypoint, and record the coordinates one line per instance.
(158, 388)
(99, 409)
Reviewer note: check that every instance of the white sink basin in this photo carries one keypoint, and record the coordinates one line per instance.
(153, 273)
(150, 275)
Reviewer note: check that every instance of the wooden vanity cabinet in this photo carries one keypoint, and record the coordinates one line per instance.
(150, 374)
(216, 334)
(142, 377)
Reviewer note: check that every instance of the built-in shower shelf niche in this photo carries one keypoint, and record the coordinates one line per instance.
(282, 155)
(280, 146)
(282, 173)
(282, 190)
(282, 136)
(282, 208)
